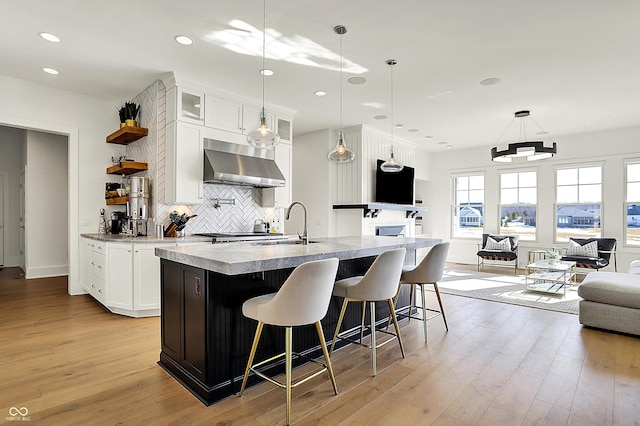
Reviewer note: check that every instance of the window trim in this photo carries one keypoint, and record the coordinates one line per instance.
(555, 195)
(500, 204)
(626, 162)
(453, 177)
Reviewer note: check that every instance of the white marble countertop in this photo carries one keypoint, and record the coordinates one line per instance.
(124, 238)
(248, 257)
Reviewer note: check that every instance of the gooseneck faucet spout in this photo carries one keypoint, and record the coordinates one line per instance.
(305, 235)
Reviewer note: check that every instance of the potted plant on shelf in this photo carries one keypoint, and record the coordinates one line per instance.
(128, 114)
(553, 256)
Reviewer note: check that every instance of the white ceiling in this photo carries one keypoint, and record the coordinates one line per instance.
(574, 63)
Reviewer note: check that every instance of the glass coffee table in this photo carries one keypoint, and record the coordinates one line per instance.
(546, 277)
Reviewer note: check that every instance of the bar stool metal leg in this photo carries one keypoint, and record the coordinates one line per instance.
(287, 362)
(252, 354)
(395, 324)
(435, 285)
(327, 361)
(373, 336)
(340, 318)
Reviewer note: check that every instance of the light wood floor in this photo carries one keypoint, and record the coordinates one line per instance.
(69, 362)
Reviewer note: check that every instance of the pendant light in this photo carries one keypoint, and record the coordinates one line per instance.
(391, 165)
(263, 136)
(341, 154)
(529, 150)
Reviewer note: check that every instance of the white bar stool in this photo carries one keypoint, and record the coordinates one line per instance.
(428, 272)
(303, 299)
(380, 283)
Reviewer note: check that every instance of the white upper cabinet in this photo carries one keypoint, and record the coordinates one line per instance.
(280, 196)
(233, 116)
(284, 129)
(222, 114)
(183, 163)
(185, 105)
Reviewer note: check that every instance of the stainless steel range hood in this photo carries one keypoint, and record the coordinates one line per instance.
(235, 164)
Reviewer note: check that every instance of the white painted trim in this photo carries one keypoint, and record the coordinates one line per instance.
(47, 271)
(5, 210)
(74, 286)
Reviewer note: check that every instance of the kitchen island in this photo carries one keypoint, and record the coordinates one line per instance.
(206, 339)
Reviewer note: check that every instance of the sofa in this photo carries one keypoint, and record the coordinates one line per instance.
(611, 300)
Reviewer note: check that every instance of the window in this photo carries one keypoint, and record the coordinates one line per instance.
(632, 204)
(468, 194)
(518, 204)
(578, 202)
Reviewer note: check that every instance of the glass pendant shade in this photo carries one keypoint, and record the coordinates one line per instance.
(391, 165)
(263, 136)
(341, 154)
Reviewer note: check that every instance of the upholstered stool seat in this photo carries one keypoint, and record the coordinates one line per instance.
(428, 272)
(379, 283)
(303, 299)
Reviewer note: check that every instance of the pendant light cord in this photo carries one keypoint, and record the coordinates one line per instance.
(341, 61)
(264, 49)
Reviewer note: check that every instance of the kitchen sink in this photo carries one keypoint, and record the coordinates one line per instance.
(280, 242)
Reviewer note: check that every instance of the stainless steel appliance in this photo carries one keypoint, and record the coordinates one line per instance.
(138, 205)
(236, 164)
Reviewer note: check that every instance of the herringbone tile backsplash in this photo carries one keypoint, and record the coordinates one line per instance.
(151, 149)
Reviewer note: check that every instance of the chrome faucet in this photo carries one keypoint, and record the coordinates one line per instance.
(305, 235)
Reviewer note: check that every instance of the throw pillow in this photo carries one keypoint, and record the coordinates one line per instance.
(502, 245)
(589, 249)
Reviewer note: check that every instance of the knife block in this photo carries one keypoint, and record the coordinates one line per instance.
(171, 230)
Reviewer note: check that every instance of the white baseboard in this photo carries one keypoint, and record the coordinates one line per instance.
(47, 271)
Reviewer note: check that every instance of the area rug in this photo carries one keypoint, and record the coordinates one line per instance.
(505, 289)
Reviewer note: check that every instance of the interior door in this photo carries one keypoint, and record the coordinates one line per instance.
(2, 219)
(22, 255)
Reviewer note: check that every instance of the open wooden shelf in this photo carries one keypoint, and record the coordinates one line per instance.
(127, 134)
(116, 201)
(127, 168)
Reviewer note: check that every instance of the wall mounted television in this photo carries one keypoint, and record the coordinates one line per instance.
(395, 188)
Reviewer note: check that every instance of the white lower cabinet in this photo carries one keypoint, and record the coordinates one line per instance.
(124, 277)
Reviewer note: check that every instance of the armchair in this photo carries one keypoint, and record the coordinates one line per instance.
(502, 248)
(588, 255)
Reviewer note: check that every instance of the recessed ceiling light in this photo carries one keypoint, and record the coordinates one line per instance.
(50, 37)
(490, 81)
(319, 93)
(412, 130)
(428, 138)
(449, 146)
(266, 72)
(51, 71)
(184, 40)
(442, 143)
(357, 80)
(399, 126)
(542, 133)
(380, 117)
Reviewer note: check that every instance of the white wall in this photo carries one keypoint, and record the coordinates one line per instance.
(46, 202)
(87, 121)
(608, 148)
(11, 163)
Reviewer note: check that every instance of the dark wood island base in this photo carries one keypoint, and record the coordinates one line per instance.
(206, 340)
